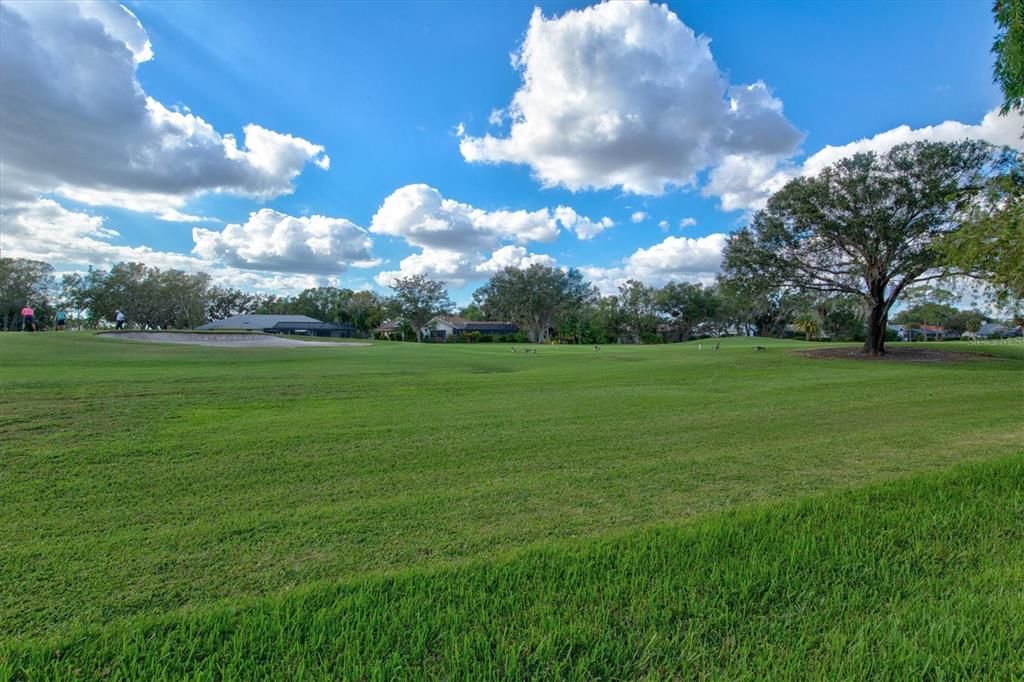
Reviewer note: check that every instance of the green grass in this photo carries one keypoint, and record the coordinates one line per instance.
(273, 500)
(918, 579)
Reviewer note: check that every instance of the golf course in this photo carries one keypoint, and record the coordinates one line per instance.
(400, 511)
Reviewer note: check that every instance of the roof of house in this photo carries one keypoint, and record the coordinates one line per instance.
(388, 326)
(462, 324)
(312, 325)
(260, 321)
(991, 327)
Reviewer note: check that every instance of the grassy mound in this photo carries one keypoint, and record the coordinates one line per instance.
(918, 578)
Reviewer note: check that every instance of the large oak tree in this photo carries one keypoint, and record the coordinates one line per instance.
(419, 298)
(536, 298)
(869, 225)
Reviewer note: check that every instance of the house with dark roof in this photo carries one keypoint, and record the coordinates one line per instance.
(281, 324)
(390, 330)
(995, 330)
(934, 332)
(451, 327)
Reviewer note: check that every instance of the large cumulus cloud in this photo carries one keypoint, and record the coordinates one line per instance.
(75, 120)
(270, 240)
(623, 94)
(679, 259)
(459, 242)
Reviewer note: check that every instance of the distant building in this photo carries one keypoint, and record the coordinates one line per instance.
(923, 332)
(994, 330)
(450, 328)
(989, 329)
(390, 330)
(282, 324)
(931, 332)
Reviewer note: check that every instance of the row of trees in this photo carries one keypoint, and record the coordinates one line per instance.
(549, 303)
(152, 298)
(833, 252)
(545, 302)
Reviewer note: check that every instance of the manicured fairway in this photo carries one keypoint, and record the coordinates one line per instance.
(916, 579)
(152, 491)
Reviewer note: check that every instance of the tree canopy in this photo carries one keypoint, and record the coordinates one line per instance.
(1008, 48)
(419, 298)
(535, 297)
(637, 303)
(990, 243)
(687, 305)
(870, 225)
(24, 282)
(149, 297)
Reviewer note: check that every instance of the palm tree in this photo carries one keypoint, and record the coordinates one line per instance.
(808, 324)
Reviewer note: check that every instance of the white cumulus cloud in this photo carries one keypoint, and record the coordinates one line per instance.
(623, 94)
(638, 217)
(75, 240)
(457, 267)
(746, 182)
(514, 257)
(422, 217)
(277, 242)
(582, 226)
(673, 259)
(43, 229)
(76, 121)
(459, 242)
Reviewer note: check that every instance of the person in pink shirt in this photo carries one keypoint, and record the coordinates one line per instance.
(28, 319)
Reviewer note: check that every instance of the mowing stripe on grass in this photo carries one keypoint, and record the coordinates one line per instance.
(918, 578)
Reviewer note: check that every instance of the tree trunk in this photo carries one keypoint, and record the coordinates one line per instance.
(877, 319)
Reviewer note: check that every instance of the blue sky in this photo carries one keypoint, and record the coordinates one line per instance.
(399, 97)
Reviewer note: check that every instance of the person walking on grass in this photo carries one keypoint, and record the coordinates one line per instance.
(119, 318)
(28, 319)
(62, 320)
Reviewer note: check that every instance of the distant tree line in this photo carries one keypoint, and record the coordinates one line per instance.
(546, 303)
(152, 298)
(829, 256)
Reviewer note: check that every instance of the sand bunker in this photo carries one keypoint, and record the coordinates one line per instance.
(224, 340)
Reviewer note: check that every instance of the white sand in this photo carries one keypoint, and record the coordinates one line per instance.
(225, 340)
